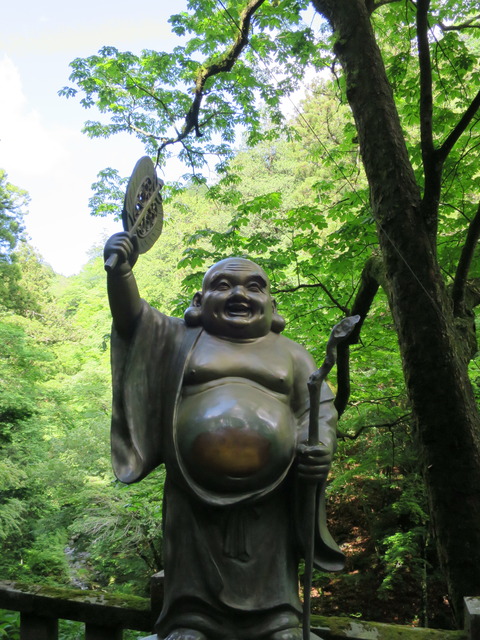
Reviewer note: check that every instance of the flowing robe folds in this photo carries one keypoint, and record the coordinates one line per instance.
(230, 559)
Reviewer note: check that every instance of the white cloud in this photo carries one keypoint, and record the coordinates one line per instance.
(56, 165)
(26, 145)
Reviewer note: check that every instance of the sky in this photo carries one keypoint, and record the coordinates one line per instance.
(42, 148)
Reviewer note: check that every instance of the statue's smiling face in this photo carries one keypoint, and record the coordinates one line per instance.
(236, 300)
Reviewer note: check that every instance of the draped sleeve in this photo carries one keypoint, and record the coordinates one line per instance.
(144, 388)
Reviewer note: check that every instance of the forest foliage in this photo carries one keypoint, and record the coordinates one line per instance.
(292, 195)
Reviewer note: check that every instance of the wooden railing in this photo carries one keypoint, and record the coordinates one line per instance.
(106, 616)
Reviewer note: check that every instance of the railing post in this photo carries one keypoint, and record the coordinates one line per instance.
(35, 627)
(102, 632)
(157, 593)
(472, 618)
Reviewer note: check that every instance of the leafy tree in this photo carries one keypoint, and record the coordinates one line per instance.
(21, 499)
(13, 202)
(407, 211)
(23, 361)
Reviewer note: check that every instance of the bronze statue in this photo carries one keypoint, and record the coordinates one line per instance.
(221, 399)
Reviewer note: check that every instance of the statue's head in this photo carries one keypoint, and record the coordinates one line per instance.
(235, 301)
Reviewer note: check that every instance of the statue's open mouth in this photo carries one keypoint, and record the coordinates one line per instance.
(238, 309)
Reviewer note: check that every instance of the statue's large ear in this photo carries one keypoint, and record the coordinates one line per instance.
(193, 315)
(278, 322)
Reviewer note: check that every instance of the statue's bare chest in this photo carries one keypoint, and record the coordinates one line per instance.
(261, 361)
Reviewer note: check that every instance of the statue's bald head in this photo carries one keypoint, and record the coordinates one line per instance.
(235, 265)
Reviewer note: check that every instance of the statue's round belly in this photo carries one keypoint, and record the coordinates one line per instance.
(235, 437)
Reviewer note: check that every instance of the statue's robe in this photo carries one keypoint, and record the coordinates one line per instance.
(230, 560)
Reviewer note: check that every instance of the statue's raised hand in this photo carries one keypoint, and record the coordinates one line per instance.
(125, 247)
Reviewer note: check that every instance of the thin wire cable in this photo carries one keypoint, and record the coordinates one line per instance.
(229, 15)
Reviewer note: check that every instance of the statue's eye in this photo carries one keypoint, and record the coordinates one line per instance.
(222, 286)
(254, 286)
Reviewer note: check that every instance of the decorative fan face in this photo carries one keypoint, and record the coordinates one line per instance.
(142, 210)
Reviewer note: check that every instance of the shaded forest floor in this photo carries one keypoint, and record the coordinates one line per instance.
(415, 595)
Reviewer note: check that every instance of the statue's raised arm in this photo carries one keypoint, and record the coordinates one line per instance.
(123, 294)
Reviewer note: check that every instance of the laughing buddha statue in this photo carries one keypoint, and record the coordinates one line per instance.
(220, 398)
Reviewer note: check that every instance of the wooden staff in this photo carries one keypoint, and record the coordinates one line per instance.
(339, 332)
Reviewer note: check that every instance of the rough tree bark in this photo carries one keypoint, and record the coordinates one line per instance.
(446, 415)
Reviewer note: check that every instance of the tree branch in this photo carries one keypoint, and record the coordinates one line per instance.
(460, 281)
(426, 97)
(180, 138)
(458, 27)
(382, 425)
(473, 288)
(373, 6)
(318, 285)
(142, 132)
(165, 141)
(366, 293)
(154, 97)
(431, 165)
(463, 123)
(225, 64)
(472, 293)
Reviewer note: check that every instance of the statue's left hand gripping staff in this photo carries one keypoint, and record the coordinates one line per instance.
(142, 214)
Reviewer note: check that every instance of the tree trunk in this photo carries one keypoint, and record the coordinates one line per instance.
(447, 419)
